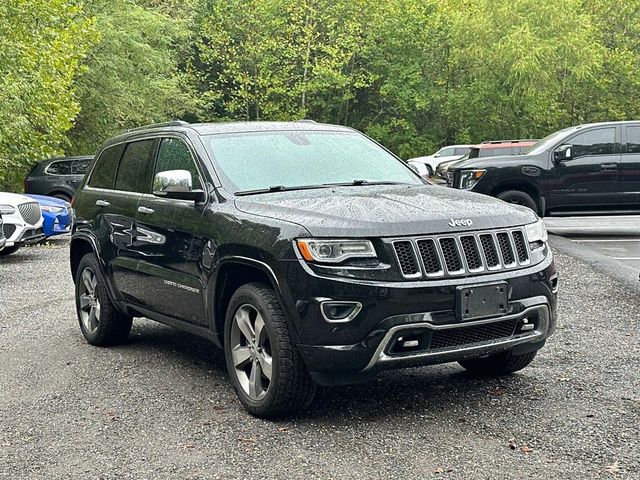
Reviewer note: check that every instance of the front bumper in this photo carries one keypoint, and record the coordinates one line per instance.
(21, 234)
(423, 311)
(56, 223)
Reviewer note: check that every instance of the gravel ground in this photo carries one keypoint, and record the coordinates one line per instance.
(161, 406)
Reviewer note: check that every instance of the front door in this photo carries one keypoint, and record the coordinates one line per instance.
(170, 244)
(587, 180)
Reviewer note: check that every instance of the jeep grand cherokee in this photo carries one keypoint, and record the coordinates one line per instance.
(309, 253)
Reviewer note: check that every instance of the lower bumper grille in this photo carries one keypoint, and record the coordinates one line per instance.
(456, 337)
(8, 230)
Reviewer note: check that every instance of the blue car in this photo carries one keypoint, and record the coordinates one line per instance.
(56, 213)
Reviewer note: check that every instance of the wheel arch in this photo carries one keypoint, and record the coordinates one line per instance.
(523, 186)
(60, 191)
(232, 273)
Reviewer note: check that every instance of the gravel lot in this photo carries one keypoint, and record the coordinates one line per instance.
(161, 406)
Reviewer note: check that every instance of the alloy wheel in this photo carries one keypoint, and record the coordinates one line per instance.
(89, 302)
(251, 352)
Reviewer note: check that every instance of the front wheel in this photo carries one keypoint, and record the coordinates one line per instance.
(9, 250)
(518, 197)
(264, 365)
(498, 364)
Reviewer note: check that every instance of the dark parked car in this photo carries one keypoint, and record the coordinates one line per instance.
(57, 177)
(309, 253)
(488, 149)
(593, 168)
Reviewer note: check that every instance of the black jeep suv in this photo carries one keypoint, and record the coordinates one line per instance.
(309, 253)
(593, 168)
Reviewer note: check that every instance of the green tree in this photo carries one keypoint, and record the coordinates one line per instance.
(132, 76)
(42, 43)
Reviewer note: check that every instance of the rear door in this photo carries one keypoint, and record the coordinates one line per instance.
(629, 178)
(587, 181)
(170, 243)
(114, 189)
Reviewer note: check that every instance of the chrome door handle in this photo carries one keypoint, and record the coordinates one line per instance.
(102, 203)
(145, 210)
(608, 166)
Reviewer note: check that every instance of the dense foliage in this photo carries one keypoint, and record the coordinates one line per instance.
(414, 74)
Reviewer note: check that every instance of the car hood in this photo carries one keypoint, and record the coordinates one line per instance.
(13, 198)
(385, 211)
(49, 201)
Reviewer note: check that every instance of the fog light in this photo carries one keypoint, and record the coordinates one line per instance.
(340, 312)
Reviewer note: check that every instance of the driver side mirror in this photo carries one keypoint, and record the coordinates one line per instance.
(176, 184)
(420, 168)
(562, 153)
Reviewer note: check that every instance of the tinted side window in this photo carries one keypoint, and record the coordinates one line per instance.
(80, 167)
(175, 155)
(633, 139)
(133, 171)
(105, 170)
(594, 142)
(60, 168)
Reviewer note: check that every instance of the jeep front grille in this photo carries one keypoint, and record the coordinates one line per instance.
(30, 212)
(466, 253)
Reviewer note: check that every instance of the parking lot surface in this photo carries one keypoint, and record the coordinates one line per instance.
(161, 406)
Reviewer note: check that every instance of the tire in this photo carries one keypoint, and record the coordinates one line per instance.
(518, 197)
(267, 343)
(62, 196)
(101, 323)
(499, 364)
(9, 250)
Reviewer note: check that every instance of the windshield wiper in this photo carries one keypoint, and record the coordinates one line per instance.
(277, 188)
(358, 182)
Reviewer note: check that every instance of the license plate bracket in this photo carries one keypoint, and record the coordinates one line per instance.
(481, 301)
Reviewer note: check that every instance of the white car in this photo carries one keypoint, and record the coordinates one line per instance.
(450, 152)
(22, 221)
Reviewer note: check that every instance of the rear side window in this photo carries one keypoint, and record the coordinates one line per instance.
(594, 142)
(461, 150)
(133, 171)
(106, 165)
(633, 139)
(446, 152)
(175, 155)
(62, 167)
(80, 166)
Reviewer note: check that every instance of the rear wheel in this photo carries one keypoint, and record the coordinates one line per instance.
(62, 196)
(9, 250)
(100, 322)
(265, 368)
(518, 197)
(499, 364)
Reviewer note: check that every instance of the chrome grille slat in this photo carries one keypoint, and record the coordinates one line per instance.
(30, 212)
(461, 253)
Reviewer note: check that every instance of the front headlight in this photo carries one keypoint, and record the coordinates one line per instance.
(7, 209)
(536, 234)
(50, 209)
(469, 178)
(334, 251)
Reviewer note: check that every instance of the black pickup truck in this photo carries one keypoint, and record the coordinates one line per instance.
(587, 169)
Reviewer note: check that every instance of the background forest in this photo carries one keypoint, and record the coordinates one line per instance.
(413, 74)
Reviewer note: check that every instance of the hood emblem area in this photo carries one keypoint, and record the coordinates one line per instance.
(460, 222)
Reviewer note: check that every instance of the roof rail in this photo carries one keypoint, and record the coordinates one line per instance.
(172, 123)
(306, 120)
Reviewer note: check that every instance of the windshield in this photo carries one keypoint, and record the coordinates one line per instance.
(263, 160)
(548, 141)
